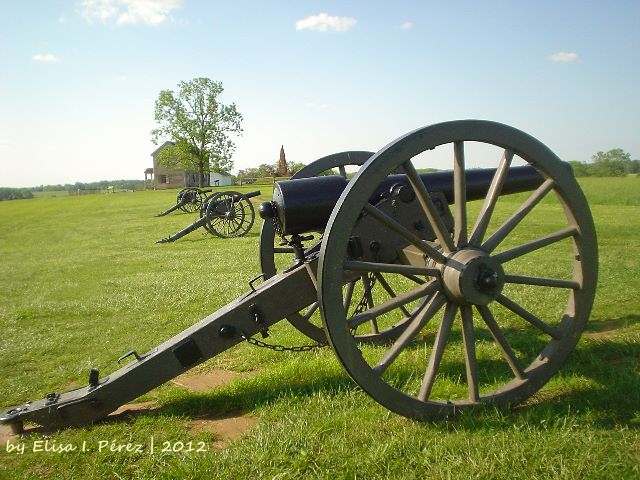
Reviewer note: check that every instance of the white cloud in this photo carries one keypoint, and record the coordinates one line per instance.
(317, 105)
(128, 12)
(323, 22)
(406, 25)
(564, 57)
(45, 58)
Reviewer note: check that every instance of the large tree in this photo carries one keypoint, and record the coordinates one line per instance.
(200, 126)
(610, 164)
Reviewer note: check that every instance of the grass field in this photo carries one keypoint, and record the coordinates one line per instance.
(81, 282)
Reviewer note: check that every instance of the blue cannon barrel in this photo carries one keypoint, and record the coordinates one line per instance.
(304, 205)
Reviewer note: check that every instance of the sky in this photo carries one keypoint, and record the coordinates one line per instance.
(78, 79)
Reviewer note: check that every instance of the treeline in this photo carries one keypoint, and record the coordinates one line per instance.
(7, 193)
(614, 163)
(100, 185)
(267, 170)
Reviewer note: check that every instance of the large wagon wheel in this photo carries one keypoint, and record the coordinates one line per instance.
(194, 199)
(358, 293)
(466, 272)
(230, 214)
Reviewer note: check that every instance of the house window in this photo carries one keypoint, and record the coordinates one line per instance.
(163, 179)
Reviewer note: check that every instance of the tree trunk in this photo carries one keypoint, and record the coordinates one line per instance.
(201, 174)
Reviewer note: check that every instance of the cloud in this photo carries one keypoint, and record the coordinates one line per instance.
(128, 12)
(45, 58)
(62, 19)
(324, 22)
(406, 25)
(317, 105)
(564, 57)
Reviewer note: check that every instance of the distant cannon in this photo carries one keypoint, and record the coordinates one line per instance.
(189, 200)
(393, 226)
(223, 214)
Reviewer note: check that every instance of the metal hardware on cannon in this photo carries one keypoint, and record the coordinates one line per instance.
(392, 229)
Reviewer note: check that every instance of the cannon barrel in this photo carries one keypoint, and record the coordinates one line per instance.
(200, 222)
(304, 205)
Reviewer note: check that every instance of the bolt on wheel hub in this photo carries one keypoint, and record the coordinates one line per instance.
(471, 276)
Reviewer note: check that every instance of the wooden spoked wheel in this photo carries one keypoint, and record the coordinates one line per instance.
(194, 199)
(468, 325)
(359, 293)
(230, 214)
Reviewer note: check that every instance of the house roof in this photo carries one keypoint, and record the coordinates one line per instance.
(153, 154)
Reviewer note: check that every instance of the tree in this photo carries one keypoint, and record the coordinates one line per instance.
(610, 164)
(580, 169)
(199, 125)
(295, 167)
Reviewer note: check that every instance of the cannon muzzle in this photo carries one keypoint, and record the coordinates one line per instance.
(304, 205)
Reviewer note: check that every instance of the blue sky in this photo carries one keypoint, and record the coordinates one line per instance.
(78, 79)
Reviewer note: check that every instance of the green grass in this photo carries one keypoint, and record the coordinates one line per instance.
(81, 282)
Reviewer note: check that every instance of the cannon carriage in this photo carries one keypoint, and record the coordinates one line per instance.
(188, 200)
(223, 214)
(391, 228)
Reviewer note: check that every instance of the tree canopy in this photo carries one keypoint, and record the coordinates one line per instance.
(200, 126)
(613, 163)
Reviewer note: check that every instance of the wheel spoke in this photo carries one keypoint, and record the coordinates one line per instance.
(413, 278)
(484, 217)
(348, 296)
(507, 227)
(283, 250)
(438, 349)
(430, 210)
(369, 298)
(542, 281)
(408, 235)
(528, 316)
(501, 340)
(470, 360)
(423, 315)
(422, 291)
(310, 312)
(536, 244)
(390, 291)
(358, 266)
(460, 196)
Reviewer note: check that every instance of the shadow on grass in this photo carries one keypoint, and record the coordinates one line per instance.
(610, 397)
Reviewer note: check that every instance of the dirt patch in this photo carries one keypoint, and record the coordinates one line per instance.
(133, 408)
(225, 429)
(206, 381)
(5, 434)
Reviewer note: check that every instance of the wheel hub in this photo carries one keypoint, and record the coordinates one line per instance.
(471, 276)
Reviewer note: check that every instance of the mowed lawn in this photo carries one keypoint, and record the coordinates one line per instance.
(82, 281)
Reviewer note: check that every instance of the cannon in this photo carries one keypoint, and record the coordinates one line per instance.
(188, 200)
(223, 214)
(409, 234)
